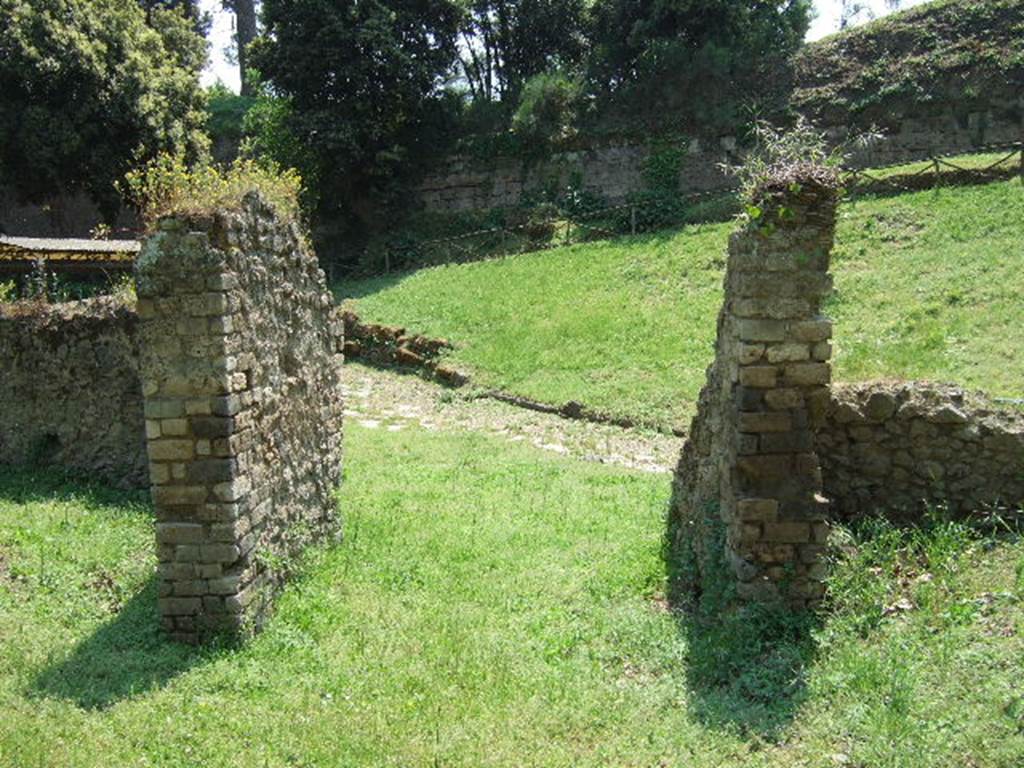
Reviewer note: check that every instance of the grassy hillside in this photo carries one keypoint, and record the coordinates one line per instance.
(493, 606)
(966, 53)
(928, 285)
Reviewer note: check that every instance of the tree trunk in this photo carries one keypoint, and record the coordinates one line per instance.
(245, 24)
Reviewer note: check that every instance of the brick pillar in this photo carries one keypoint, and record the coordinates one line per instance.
(749, 479)
(778, 342)
(243, 413)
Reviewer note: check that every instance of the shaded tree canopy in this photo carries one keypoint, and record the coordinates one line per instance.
(88, 87)
(628, 31)
(506, 42)
(361, 79)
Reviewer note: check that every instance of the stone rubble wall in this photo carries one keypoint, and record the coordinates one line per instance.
(614, 171)
(392, 346)
(747, 509)
(900, 447)
(240, 371)
(69, 388)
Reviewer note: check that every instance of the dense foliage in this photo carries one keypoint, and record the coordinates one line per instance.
(506, 42)
(360, 88)
(90, 87)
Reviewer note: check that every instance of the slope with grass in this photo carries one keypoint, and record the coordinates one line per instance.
(492, 606)
(928, 285)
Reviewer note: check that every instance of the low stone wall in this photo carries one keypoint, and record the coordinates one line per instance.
(240, 370)
(899, 447)
(69, 388)
(747, 514)
(390, 345)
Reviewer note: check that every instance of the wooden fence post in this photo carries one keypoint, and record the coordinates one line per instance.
(632, 219)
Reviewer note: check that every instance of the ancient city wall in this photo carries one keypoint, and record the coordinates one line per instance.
(900, 447)
(614, 171)
(240, 365)
(747, 509)
(69, 388)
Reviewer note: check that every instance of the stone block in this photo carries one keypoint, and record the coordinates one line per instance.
(787, 532)
(164, 409)
(218, 553)
(761, 330)
(788, 353)
(171, 450)
(822, 351)
(174, 427)
(787, 442)
(179, 533)
(768, 421)
(809, 331)
(784, 399)
(807, 374)
(179, 495)
(180, 606)
(750, 353)
(757, 510)
(227, 405)
(762, 376)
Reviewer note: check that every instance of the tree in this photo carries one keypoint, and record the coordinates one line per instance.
(628, 31)
(361, 83)
(88, 88)
(506, 42)
(245, 33)
(190, 8)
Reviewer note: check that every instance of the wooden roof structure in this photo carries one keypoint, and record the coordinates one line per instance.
(20, 253)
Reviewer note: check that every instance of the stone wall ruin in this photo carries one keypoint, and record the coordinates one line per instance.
(69, 388)
(776, 452)
(903, 447)
(240, 371)
(747, 501)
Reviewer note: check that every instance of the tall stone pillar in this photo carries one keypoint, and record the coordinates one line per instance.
(748, 514)
(240, 374)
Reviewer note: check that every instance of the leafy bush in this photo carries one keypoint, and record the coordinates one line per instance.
(547, 108)
(226, 112)
(168, 186)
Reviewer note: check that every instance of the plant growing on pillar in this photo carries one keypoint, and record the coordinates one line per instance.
(782, 158)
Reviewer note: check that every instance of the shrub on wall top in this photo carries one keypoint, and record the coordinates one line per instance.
(168, 186)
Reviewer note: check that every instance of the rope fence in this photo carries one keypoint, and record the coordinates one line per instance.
(569, 227)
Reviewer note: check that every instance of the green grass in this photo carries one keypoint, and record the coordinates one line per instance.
(928, 285)
(494, 606)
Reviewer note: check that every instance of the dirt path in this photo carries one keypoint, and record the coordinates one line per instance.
(378, 399)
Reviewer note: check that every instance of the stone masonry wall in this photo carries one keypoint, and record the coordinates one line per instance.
(69, 388)
(899, 447)
(240, 371)
(747, 510)
(615, 171)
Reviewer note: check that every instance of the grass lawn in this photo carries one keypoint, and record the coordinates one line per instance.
(928, 285)
(495, 606)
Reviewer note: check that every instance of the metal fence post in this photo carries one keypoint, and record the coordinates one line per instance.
(632, 219)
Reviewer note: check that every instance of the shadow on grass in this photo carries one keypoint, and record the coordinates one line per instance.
(351, 287)
(125, 657)
(746, 665)
(26, 484)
